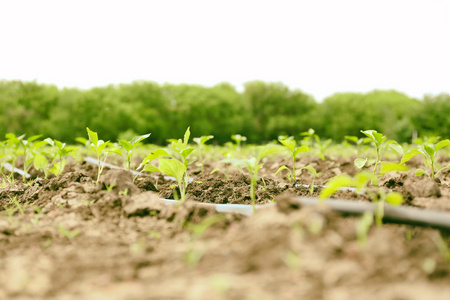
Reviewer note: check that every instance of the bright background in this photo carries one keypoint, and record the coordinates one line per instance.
(320, 46)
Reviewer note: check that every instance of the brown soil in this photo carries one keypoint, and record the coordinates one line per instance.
(78, 240)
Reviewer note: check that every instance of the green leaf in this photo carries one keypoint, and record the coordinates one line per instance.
(429, 150)
(282, 168)
(152, 156)
(408, 155)
(361, 179)
(352, 138)
(102, 145)
(187, 134)
(151, 168)
(360, 162)
(420, 172)
(394, 198)
(126, 145)
(203, 139)
(93, 137)
(172, 167)
(115, 150)
(50, 141)
(40, 162)
(264, 151)
(442, 144)
(300, 149)
(311, 169)
(396, 147)
(289, 143)
(33, 138)
(138, 139)
(185, 153)
(334, 184)
(392, 166)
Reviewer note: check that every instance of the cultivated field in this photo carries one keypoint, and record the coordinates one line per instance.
(95, 221)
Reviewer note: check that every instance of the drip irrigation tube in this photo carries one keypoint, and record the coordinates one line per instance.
(392, 214)
(10, 168)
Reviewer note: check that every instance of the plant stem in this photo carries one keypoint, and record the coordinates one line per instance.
(376, 166)
(293, 168)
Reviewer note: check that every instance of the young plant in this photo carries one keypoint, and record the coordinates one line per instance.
(99, 147)
(129, 146)
(238, 139)
(380, 144)
(67, 233)
(29, 147)
(201, 148)
(359, 142)
(308, 137)
(428, 150)
(175, 166)
(226, 161)
(62, 151)
(316, 175)
(291, 145)
(323, 145)
(253, 165)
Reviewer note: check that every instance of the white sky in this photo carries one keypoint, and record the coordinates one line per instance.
(319, 46)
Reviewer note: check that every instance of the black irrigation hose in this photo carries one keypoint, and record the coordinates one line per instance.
(392, 214)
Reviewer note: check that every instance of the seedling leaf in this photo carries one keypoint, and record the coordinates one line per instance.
(420, 172)
(172, 167)
(387, 167)
(408, 155)
(396, 147)
(334, 184)
(442, 144)
(394, 198)
(281, 168)
(360, 162)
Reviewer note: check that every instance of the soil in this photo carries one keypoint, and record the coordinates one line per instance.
(117, 240)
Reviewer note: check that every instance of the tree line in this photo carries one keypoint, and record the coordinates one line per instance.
(262, 112)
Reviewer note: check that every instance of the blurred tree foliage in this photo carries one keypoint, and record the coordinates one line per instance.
(261, 112)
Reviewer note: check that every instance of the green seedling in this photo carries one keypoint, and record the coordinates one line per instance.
(197, 230)
(99, 147)
(253, 165)
(62, 151)
(381, 143)
(13, 142)
(201, 148)
(19, 207)
(308, 137)
(109, 187)
(177, 165)
(316, 175)
(41, 163)
(67, 233)
(124, 192)
(145, 164)
(291, 145)
(129, 146)
(29, 146)
(359, 142)
(428, 150)
(238, 140)
(227, 162)
(323, 145)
